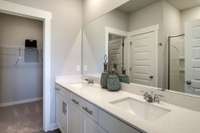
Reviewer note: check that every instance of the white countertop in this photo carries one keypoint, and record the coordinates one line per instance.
(178, 120)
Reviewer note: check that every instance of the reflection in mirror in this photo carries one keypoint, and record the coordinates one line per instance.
(116, 53)
(116, 56)
(152, 42)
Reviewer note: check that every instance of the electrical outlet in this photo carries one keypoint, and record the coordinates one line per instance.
(85, 68)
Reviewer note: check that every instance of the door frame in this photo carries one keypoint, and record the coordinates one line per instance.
(29, 12)
(153, 28)
(109, 30)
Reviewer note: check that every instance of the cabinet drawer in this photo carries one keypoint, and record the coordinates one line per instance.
(113, 125)
(90, 109)
(75, 100)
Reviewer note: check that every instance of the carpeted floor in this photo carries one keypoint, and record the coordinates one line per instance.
(24, 118)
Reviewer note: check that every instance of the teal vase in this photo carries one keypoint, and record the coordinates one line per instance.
(113, 83)
(104, 77)
(124, 78)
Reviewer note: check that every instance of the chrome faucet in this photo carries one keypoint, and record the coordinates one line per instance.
(152, 98)
(89, 81)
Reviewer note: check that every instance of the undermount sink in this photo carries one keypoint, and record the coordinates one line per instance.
(141, 109)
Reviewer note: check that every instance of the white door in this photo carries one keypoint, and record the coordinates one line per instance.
(192, 51)
(115, 54)
(143, 58)
(90, 126)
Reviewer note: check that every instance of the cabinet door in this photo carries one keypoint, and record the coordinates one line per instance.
(75, 119)
(90, 126)
(61, 112)
(113, 125)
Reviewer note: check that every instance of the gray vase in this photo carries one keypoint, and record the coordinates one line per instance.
(124, 78)
(113, 83)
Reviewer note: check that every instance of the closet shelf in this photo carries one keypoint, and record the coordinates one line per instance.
(20, 56)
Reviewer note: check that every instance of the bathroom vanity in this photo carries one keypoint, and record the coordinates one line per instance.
(154, 45)
(77, 114)
(87, 108)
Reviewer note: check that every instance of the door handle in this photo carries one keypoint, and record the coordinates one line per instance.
(188, 82)
(151, 77)
(64, 108)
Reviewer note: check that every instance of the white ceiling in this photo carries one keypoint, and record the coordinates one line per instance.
(134, 5)
(185, 4)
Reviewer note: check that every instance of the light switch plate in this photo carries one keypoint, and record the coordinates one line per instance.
(78, 68)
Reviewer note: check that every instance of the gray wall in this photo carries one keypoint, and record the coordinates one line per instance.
(94, 39)
(23, 81)
(66, 36)
(190, 15)
(147, 16)
(96, 8)
(14, 30)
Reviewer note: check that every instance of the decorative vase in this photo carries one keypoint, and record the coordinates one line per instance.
(124, 78)
(113, 83)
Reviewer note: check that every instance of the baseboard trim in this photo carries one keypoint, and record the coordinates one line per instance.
(20, 102)
(53, 126)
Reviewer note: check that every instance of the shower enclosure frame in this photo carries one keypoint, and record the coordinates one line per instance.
(169, 51)
(38, 14)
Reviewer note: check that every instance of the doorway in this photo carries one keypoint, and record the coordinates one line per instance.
(192, 57)
(143, 66)
(21, 74)
(37, 14)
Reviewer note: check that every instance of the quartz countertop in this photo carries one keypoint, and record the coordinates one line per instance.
(178, 120)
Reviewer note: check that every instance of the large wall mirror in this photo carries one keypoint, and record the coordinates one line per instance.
(152, 42)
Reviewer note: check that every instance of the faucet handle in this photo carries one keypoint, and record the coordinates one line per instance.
(90, 81)
(148, 97)
(157, 97)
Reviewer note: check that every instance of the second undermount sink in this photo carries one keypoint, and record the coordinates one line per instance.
(141, 109)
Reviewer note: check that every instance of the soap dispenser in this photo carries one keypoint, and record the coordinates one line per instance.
(104, 75)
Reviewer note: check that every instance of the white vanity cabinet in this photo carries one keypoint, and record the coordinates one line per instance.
(62, 109)
(76, 115)
(113, 125)
(90, 126)
(83, 117)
